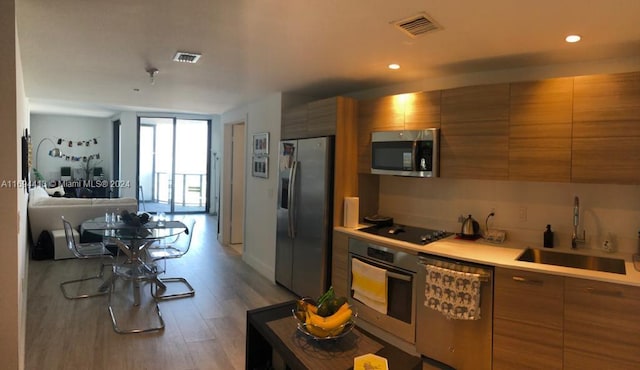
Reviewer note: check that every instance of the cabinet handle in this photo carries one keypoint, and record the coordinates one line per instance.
(525, 280)
(610, 293)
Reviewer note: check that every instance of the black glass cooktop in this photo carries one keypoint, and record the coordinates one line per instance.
(408, 234)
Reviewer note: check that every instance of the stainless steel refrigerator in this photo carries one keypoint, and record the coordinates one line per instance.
(305, 193)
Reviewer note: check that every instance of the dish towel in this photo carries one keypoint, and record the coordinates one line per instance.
(369, 285)
(453, 293)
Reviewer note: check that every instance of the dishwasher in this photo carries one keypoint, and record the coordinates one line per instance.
(452, 333)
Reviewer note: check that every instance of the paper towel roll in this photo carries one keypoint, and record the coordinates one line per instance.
(351, 209)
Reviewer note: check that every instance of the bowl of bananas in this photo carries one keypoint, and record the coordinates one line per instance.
(330, 318)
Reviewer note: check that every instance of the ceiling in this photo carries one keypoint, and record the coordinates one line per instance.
(91, 57)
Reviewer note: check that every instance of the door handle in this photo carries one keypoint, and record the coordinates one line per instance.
(402, 277)
(609, 293)
(291, 201)
(525, 280)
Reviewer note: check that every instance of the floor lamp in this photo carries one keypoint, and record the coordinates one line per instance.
(55, 152)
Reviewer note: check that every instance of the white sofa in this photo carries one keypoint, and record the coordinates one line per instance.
(45, 212)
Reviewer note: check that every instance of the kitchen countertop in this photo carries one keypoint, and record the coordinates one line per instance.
(505, 256)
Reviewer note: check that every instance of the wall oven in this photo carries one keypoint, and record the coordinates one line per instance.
(401, 269)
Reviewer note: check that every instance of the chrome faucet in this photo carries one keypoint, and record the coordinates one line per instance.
(576, 221)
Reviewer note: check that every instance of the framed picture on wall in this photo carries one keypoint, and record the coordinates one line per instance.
(261, 144)
(260, 167)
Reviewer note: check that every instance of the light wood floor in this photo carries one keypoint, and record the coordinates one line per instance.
(203, 332)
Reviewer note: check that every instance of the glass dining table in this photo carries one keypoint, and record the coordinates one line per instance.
(132, 241)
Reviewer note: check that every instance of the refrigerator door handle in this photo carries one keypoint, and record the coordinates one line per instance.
(291, 200)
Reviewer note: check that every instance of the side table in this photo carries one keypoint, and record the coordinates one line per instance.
(273, 329)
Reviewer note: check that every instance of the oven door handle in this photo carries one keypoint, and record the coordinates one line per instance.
(394, 275)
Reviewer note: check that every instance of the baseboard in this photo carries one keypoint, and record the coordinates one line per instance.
(259, 266)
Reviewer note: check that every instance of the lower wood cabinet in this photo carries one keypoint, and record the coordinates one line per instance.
(545, 321)
(601, 325)
(339, 263)
(527, 325)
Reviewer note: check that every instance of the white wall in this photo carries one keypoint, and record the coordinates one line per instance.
(260, 202)
(13, 209)
(75, 128)
(128, 153)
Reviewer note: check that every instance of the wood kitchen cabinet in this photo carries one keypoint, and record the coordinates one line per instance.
(382, 114)
(474, 136)
(545, 321)
(422, 110)
(540, 130)
(314, 119)
(339, 263)
(606, 129)
(601, 325)
(528, 320)
(583, 129)
(333, 116)
(294, 123)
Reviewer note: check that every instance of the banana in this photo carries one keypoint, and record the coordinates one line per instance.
(312, 308)
(317, 332)
(331, 322)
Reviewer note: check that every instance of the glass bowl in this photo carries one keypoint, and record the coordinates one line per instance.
(340, 331)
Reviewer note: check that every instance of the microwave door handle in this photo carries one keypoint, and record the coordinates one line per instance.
(396, 276)
(414, 156)
(291, 201)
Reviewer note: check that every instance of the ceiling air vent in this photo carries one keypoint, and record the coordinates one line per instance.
(417, 25)
(185, 57)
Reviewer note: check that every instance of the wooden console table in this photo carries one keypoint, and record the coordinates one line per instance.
(273, 329)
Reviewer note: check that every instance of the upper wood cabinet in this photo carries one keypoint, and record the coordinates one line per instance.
(294, 123)
(576, 129)
(382, 114)
(330, 117)
(322, 116)
(474, 136)
(601, 325)
(318, 118)
(422, 110)
(606, 129)
(396, 112)
(540, 130)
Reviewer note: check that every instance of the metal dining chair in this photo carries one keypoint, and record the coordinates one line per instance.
(95, 250)
(127, 321)
(161, 252)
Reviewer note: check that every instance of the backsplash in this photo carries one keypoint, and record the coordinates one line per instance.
(523, 209)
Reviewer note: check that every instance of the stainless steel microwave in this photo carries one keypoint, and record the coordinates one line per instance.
(406, 153)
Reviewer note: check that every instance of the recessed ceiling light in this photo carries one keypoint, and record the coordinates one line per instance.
(572, 38)
(394, 66)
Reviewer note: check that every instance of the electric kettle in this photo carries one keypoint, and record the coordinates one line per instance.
(470, 227)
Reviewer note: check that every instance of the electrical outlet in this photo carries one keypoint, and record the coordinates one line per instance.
(523, 213)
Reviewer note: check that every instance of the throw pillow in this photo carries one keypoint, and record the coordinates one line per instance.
(58, 189)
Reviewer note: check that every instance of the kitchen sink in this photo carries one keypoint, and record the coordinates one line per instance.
(580, 261)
